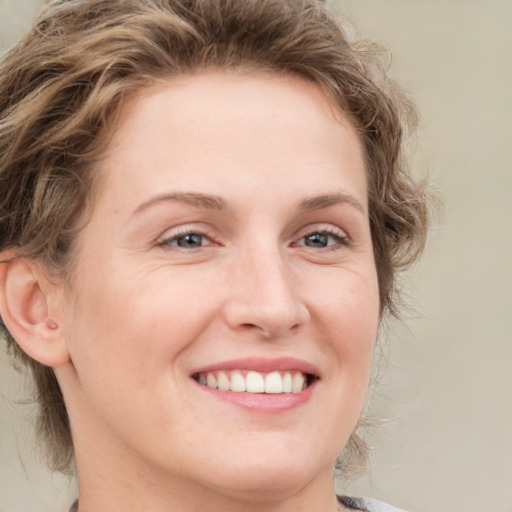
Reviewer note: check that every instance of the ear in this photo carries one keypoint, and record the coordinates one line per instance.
(25, 298)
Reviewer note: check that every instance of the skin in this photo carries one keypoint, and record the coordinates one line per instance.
(142, 313)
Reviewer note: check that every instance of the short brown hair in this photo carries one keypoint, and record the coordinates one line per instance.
(62, 85)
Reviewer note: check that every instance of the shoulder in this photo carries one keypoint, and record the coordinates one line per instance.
(367, 505)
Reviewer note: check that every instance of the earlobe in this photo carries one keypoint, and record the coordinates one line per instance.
(24, 307)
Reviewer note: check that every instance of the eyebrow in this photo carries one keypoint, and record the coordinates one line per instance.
(324, 201)
(213, 202)
(205, 201)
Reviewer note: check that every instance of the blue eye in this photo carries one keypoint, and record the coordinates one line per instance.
(322, 239)
(188, 240)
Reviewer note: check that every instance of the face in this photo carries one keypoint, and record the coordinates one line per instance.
(224, 306)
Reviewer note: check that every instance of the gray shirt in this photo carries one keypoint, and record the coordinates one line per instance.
(366, 505)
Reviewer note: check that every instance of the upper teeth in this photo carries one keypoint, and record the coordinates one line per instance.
(254, 382)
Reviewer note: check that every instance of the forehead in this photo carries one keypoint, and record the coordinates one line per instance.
(225, 128)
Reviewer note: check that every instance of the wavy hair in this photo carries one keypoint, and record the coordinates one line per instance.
(63, 84)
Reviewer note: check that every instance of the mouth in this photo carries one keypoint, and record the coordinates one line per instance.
(255, 382)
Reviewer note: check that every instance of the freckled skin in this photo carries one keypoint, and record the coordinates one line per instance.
(147, 308)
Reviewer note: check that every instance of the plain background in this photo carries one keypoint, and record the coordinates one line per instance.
(446, 396)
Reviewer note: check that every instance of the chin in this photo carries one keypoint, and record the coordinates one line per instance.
(272, 478)
(266, 484)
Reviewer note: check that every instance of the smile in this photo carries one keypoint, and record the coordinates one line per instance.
(240, 381)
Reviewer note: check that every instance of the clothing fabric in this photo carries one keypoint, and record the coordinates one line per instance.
(361, 504)
(367, 505)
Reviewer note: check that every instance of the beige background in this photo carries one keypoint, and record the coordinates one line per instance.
(448, 391)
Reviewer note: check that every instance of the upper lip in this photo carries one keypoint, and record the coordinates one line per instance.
(262, 365)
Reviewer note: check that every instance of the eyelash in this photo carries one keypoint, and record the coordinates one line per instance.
(168, 241)
(340, 240)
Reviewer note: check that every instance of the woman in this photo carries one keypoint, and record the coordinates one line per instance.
(203, 212)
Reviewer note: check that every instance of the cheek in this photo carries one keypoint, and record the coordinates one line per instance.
(351, 307)
(131, 326)
(350, 313)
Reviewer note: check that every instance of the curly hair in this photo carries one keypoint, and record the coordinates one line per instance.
(62, 86)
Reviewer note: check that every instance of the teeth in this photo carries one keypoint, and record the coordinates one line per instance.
(223, 382)
(298, 382)
(254, 382)
(273, 383)
(211, 381)
(287, 382)
(238, 382)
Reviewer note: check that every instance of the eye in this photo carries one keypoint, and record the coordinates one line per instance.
(189, 240)
(323, 239)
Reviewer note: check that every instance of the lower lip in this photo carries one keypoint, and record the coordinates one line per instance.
(264, 402)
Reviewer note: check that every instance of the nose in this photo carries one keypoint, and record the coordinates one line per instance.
(264, 297)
